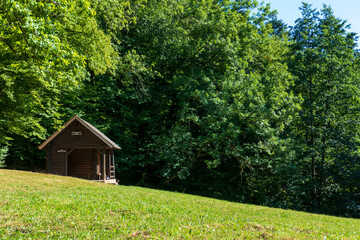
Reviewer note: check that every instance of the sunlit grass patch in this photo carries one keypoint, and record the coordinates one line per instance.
(34, 205)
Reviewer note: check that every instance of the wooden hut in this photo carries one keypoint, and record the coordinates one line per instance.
(80, 150)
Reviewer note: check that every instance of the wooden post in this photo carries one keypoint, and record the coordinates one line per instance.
(109, 163)
(113, 157)
(67, 153)
(104, 165)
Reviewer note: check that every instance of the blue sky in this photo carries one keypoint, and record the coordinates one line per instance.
(288, 10)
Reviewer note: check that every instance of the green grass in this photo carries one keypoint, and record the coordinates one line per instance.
(36, 206)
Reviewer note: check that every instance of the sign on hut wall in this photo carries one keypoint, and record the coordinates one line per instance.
(76, 133)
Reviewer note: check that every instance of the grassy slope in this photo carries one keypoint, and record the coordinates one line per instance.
(37, 206)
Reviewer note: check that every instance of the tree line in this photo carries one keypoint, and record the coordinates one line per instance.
(216, 98)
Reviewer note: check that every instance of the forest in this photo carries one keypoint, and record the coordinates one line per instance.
(214, 98)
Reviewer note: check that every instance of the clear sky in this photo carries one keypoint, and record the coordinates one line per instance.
(288, 10)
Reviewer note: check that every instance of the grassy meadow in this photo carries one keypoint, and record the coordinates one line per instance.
(38, 206)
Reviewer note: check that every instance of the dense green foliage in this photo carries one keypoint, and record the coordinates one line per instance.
(217, 98)
(196, 105)
(38, 206)
(46, 48)
(327, 129)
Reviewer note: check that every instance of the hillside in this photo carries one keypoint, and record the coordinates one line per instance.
(34, 205)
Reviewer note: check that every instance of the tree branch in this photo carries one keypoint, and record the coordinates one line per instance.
(9, 45)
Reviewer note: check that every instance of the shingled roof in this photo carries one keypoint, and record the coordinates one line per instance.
(90, 127)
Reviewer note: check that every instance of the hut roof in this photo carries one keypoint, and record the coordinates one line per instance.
(90, 127)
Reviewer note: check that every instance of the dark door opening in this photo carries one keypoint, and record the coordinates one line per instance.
(82, 163)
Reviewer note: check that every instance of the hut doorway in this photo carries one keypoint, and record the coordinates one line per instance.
(81, 163)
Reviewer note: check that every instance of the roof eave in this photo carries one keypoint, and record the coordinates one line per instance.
(99, 134)
(56, 133)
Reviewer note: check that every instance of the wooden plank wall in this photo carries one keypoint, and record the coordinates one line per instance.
(87, 139)
(58, 162)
